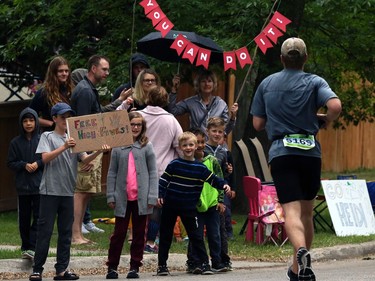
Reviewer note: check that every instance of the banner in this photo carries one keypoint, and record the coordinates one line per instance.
(92, 131)
(270, 33)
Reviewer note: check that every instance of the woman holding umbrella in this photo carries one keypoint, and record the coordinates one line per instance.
(204, 104)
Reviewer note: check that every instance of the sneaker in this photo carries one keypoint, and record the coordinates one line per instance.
(305, 272)
(228, 265)
(189, 267)
(219, 267)
(90, 226)
(150, 249)
(291, 275)
(196, 269)
(206, 269)
(84, 230)
(28, 254)
(162, 270)
(132, 274)
(35, 276)
(112, 274)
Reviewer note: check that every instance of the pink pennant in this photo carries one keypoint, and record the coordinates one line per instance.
(164, 26)
(180, 43)
(263, 42)
(156, 15)
(203, 57)
(243, 57)
(190, 52)
(229, 60)
(280, 21)
(272, 32)
(148, 5)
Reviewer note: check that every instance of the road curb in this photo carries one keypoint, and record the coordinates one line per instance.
(177, 261)
(343, 251)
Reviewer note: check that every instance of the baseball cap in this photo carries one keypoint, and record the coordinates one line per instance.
(293, 44)
(60, 108)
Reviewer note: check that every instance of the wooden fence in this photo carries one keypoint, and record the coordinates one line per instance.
(348, 149)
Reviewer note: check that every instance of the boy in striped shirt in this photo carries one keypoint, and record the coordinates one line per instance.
(180, 187)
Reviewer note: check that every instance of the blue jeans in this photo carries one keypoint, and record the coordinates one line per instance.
(228, 217)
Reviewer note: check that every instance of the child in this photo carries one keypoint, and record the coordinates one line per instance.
(211, 204)
(56, 194)
(215, 133)
(229, 179)
(28, 168)
(179, 189)
(132, 191)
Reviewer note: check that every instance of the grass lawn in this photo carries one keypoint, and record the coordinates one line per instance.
(239, 249)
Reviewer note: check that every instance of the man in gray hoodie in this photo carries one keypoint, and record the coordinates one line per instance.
(138, 63)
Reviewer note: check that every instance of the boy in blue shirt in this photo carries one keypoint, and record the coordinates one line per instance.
(180, 187)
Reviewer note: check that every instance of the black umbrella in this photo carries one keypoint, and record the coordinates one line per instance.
(156, 46)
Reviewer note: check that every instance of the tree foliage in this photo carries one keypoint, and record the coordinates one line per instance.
(341, 39)
(339, 35)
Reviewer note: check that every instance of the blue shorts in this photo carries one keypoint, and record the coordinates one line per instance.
(296, 177)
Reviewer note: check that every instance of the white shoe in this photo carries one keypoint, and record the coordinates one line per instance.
(84, 230)
(90, 226)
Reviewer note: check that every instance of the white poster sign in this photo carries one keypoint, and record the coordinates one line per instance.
(349, 206)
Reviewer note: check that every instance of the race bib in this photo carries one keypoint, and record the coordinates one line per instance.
(299, 141)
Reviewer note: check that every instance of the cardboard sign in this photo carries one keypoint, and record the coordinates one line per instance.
(92, 131)
(349, 206)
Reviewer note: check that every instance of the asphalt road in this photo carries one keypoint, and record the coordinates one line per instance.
(344, 270)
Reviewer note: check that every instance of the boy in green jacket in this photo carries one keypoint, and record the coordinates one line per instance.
(211, 204)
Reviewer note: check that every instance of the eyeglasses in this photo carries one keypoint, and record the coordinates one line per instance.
(152, 81)
(136, 125)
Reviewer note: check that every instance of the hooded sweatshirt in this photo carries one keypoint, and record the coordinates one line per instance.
(136, 58)
(21, 152)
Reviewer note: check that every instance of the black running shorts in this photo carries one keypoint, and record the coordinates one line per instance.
(296, 177)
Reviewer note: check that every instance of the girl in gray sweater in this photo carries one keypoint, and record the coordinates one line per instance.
(132, 192)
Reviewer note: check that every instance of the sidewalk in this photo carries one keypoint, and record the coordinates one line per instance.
(83, 265)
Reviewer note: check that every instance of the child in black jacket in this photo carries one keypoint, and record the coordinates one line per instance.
(28, 168)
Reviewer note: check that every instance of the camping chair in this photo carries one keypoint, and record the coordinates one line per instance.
(262, 160)
(248, 159)
(318, 218)
(371, 193)
(265, 217)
